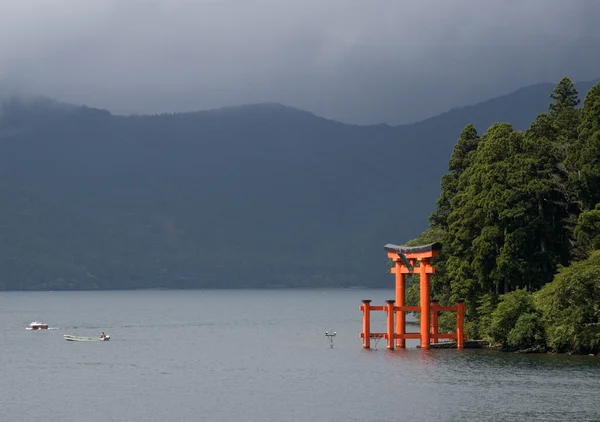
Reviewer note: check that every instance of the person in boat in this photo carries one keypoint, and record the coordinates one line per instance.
(102, 336)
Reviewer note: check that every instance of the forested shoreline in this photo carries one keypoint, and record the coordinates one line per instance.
(519, 220)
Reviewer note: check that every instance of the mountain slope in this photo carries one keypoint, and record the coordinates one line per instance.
(250, 196)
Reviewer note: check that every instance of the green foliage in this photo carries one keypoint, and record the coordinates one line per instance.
(571, 307)
(590, 123)
(506, 217)
(412, 291)
(505, 227)
(479, 325)
(528, 332)
(565, 97)
(564, 115)
(459, 162)
(447, 322)
(587, 231)
(511, 307)
(431, 235)
(584, 155)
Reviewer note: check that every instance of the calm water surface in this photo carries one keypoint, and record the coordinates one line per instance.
(232, 355)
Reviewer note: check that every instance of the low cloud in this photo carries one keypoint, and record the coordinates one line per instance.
(352, 60)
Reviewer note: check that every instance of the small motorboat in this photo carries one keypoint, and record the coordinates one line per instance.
(69, 337)
(35, 325)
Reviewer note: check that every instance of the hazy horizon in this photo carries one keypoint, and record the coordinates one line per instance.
(117, 112)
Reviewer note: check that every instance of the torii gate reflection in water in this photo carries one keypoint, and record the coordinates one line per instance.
(405, 259)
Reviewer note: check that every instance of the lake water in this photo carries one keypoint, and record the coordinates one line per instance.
(236, 355)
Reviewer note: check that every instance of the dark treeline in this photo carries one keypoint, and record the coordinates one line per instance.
(519, 220)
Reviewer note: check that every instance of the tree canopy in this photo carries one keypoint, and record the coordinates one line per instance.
(514, 208)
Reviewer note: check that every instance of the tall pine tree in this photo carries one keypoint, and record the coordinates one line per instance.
(464, 148)
(584, 155)
(564, 113)
(459, 161)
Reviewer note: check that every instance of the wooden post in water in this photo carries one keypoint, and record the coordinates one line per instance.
(434, 320)
(400, 301)
(366, 307)
(425, 304)
(390, 324)
(460, 329)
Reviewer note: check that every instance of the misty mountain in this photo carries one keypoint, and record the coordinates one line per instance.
(250, 196)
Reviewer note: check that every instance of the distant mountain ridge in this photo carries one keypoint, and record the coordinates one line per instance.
(532, 97)
(510, 107)
(248, 196)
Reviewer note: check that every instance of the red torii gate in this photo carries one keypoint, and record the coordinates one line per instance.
(405, 259)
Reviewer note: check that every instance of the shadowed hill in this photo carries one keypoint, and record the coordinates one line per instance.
(249, 196)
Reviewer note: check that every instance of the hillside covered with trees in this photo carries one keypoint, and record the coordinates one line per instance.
(253, 196)
(519, 220)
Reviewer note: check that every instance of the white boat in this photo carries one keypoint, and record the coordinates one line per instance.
(69, 337)
(36, 325)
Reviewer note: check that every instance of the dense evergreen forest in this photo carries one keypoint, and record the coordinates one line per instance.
(519, 220)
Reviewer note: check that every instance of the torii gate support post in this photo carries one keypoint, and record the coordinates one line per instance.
(366, 324)
(434, 320)
(400, 301)
(460, 321)
(390, 325)
(425, 305)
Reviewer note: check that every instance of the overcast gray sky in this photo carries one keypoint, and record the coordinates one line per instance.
(359, 61)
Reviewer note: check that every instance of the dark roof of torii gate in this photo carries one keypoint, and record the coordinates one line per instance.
(413, 249)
